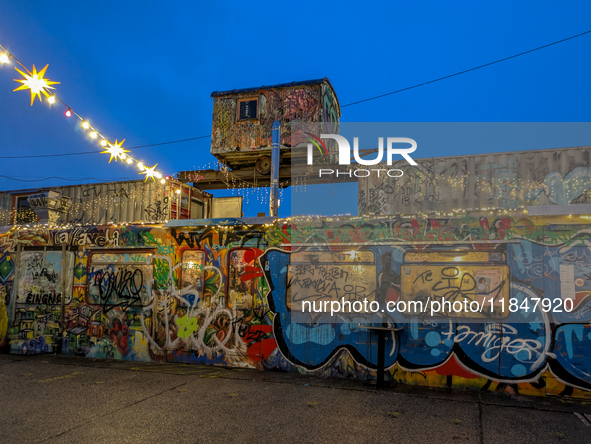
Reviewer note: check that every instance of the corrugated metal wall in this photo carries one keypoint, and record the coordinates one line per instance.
(117, 202)
(497, 181)
(131, 201)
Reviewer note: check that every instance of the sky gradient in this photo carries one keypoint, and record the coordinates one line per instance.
(143, 72)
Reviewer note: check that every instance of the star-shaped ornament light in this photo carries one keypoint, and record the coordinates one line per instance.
(115, 150)
(149, 172)
(35, 82)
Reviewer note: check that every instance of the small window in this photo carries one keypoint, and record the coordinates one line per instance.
(192, 270)
(120, 279)
(247, 109)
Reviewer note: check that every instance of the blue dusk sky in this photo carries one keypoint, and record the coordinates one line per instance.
(144, 71)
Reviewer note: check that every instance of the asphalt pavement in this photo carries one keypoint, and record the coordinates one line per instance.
(59, 399)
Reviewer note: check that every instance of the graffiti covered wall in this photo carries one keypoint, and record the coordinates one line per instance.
(115, 202)
(522, 260)
(234, 134)
(221, 294)
(509, 181)
(172, 295)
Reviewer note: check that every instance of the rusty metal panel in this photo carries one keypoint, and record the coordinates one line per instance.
(503, 181)
(237, 140)
(228, 132)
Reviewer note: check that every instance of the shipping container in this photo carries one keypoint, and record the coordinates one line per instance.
(511, 181)
(101, 203)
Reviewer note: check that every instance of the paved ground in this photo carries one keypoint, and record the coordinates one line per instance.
(64, 400)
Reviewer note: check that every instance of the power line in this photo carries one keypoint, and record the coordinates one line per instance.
(467, 70)
(97, 152)
(63, 178)
(342, 106)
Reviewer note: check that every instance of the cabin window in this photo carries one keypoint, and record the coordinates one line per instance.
(120, 279)
(247, 109)
(241, 273)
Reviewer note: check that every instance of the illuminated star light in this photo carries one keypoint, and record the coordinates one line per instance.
(36, 83)
(115, 150)
(149, 172)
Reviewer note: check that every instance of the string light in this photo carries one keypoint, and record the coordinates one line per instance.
(35, 82)
(150, 172)
(115, 150)
(38, 85)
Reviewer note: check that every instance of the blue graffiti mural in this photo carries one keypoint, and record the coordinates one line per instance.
(516, 348)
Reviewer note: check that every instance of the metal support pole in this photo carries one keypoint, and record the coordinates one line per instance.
(381, 358)
(12, 304)
(178, 203)
(63, 298)
(275, 154)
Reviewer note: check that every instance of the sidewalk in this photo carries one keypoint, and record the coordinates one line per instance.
(61, 399)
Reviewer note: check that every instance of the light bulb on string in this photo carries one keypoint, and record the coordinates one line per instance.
(68, 113)
(51, 99)
(93, 135)
(85, 125)
(4, 58)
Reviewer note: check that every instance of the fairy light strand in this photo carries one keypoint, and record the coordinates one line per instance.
(37, 84)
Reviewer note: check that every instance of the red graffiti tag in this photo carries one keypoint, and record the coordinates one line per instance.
(119, 334)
